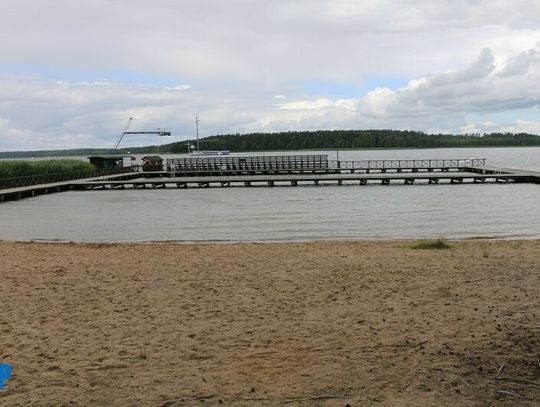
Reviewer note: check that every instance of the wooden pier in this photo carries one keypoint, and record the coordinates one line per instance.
(301, 164)
(271, 180)
(272, 171)
(29, 191)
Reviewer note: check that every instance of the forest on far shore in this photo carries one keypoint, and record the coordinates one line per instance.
(308, 140)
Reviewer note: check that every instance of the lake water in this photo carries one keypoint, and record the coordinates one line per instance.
(292, 213)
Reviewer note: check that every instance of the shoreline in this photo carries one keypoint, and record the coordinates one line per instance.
(332, 323)
(13, 155)
(269, 242)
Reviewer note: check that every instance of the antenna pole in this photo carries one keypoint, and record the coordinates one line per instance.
(123, 133)
(197, 129)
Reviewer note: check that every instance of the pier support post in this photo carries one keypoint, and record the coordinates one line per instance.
(385, 181)
(363, 181)
(294, 183)
(270, 183)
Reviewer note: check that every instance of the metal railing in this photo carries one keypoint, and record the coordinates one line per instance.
(311, 163)
(406, 164)
(248, 163)
(18, 182)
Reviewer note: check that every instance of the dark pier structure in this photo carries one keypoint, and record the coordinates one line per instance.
(285, 170)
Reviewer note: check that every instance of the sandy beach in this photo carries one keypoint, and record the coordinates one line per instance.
(307, 324)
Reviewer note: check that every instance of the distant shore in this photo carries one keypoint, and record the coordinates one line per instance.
(328, 323)
(317, 140)
(60, 154)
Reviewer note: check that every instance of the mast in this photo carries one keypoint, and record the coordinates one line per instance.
(197, 129)
(123, 133)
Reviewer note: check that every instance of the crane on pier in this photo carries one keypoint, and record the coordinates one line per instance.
(159, 132)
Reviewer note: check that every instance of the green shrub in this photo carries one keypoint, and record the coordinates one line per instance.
(20, 168)
(429, 244)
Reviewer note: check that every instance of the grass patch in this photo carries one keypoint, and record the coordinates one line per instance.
(485, 252)
(23, 168)
(429, 244)
(480, 238)
(516, 244)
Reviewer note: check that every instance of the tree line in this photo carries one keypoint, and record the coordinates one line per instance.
(311, 140)
(353, 139)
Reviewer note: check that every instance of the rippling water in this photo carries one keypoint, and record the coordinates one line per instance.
(292, 213)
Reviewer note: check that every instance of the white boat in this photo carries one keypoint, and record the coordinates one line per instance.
(209, 152)
(195, 152)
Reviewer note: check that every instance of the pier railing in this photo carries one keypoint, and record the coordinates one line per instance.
(249, 163)
(309, 163)
(18, 182)
(405, 164)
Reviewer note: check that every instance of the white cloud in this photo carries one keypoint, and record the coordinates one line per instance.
(233, 63)
(67, 115)
(438, 101)
(261, 39)
(178, 87)
(307, 104)
(489, 124)
(477, 88)
(469, 128)
(522, 126)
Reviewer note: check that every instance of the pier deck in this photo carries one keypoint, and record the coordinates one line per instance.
(48, 188)
(276, 171)
(308, 179)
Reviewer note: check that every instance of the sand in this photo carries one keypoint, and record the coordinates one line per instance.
(300, 324)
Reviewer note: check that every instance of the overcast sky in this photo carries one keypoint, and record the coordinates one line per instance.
(73, 71)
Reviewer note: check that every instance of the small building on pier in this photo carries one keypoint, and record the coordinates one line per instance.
(152, 163)
(110, 161)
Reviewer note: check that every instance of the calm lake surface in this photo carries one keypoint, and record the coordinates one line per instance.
(293, 213)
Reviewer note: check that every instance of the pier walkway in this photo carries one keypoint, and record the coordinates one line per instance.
(52, 187)
(456, 177)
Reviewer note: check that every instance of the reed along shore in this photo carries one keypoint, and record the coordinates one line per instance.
(318, 324)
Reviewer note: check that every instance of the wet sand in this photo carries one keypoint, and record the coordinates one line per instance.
(318, 324)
